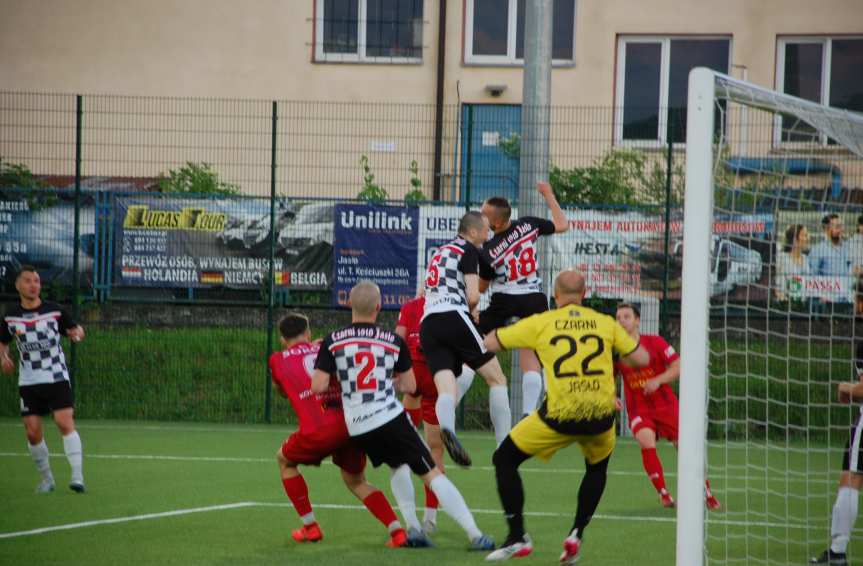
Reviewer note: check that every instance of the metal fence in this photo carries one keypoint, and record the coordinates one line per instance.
(179, 326)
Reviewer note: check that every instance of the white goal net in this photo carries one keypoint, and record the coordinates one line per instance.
(773, 250)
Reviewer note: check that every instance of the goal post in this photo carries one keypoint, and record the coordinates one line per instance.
(773, 431)
(694, 308)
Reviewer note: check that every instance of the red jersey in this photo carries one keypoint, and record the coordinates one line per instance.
(661, 355)
(410, 316)
(292, 373)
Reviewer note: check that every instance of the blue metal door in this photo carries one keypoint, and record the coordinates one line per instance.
(487, 169)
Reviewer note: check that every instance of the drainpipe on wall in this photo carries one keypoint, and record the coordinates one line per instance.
(438, 119)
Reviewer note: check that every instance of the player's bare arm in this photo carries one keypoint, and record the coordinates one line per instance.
(320, 381)
(492, 344)
(406, 382)
(668, 376)
(561, 224)
(76, 333)
(401, 331)
(7, 364)
(484, 285)
(471, 286)
(851, 391)
(638, 358)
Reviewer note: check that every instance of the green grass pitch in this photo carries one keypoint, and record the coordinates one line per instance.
(167, 494)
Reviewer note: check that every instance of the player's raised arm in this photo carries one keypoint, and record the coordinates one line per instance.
(561, 224)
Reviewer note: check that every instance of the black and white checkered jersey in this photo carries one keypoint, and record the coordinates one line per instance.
(510, 260)
(365, 359)
(444, 284)
(37, 334)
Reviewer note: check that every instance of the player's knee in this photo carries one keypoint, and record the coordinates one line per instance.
(506, 455)
(600, 467)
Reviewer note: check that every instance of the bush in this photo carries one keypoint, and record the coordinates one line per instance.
(197, 179)
(18, 176)
(371, 192)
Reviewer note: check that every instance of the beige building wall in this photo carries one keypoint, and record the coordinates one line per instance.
(263, 50)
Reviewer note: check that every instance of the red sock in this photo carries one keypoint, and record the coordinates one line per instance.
(653, 467)
(298, 492)
(707, 487)
(378, 505)
(431, 499)
(416, 416)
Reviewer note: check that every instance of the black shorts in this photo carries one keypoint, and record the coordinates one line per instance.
(852, 460)
(396, 443)
(504, 307)
(450, 339)
(43, 398)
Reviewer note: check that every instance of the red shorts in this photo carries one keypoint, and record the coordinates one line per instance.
(660, 415)
(312, 448)
(427, 390)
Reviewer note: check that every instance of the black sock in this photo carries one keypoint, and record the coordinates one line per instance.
(507, 458)
(589, 493)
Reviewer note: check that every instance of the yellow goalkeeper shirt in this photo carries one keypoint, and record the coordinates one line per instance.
(575, 346)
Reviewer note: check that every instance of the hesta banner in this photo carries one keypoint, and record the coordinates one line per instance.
(376, 243)
(202, 243)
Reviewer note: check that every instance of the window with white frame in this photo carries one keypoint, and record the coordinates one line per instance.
(652, 84)
(821, 69)
(385, 31)
(494, 32)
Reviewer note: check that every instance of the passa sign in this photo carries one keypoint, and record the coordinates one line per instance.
(379, 244)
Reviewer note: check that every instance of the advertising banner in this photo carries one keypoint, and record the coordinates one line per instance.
(202, 243)
(378, 243)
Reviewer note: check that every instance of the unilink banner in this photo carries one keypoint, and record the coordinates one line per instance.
(203, 243)
(377, 243)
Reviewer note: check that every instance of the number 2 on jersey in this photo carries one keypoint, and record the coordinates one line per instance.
(364, 382)
(523, 265)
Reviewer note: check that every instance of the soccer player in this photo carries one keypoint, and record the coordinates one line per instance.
(510, 265)
(43, 378)
(321, 433)
(651, 404)
(420, 406)
(449, 336)
(851, 479)
(370, 363)
(575, 345)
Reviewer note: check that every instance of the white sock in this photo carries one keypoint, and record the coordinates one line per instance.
(72, 447)
(308, 518)
(498, 409)
(531, 388)
(844, 515)
(430, 514)
(453, 504)
(445, 410)
(403, 491)
(39, 452)
(463, 382)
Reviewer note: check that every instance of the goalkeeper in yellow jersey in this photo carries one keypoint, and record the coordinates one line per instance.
(575, 345)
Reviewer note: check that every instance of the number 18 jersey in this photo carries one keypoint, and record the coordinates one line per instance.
(510, 260)
(365, 359)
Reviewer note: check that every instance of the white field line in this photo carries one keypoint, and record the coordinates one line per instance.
(271, 429)
(246, 504)
(234, 460)
(128, 519)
